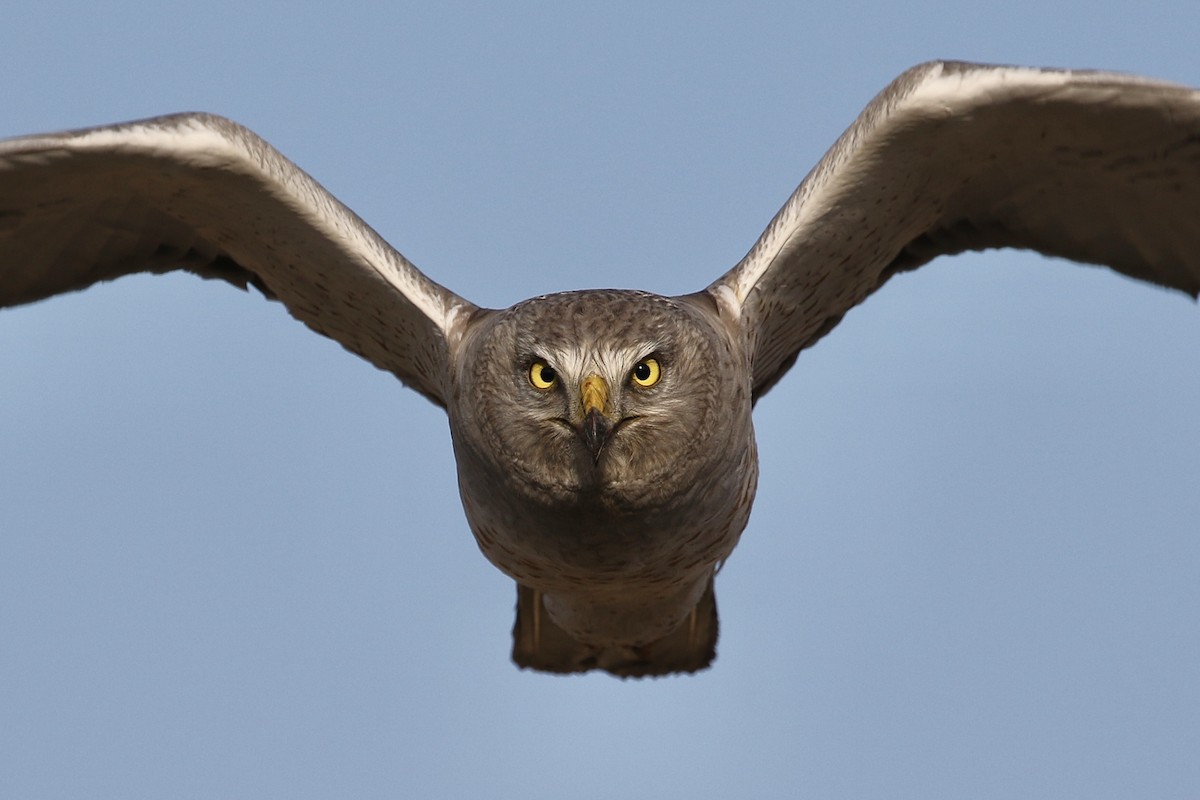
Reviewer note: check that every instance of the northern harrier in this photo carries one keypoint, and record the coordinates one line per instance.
(606, 455)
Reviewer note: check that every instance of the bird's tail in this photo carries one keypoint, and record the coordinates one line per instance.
(538, 643)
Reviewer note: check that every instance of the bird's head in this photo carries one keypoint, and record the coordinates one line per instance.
(614, 392)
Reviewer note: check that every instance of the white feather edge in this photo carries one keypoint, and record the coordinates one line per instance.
(192, 141)
(937, 92)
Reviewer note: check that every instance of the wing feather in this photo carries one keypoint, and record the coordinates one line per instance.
(204, 194)
(1090, 166)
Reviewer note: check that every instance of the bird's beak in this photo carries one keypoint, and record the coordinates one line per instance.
(595, 428)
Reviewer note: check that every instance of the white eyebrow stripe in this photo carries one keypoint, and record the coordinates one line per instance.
(611, 362)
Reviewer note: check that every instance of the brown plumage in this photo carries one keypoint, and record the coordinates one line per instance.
(604, 440)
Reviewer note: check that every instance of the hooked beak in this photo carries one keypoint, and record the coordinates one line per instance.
(595, 429)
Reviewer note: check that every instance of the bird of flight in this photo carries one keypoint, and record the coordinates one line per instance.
(605, 449)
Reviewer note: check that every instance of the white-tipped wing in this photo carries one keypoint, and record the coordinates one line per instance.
(201, 193)
(1095, 167)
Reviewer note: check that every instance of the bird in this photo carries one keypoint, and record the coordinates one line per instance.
(604, 439)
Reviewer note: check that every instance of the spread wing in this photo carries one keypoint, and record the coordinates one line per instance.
(1095, 167)
(204, 194)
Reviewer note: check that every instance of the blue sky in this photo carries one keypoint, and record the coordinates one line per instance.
(232, 557)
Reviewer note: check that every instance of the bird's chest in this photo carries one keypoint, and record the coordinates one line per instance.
(605, 533)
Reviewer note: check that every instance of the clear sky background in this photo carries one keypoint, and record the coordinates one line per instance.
(233, 562)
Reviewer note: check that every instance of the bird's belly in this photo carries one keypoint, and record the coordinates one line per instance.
(596, 543)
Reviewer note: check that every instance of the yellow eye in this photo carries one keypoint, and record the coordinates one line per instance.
(646, 373)
(542, 376)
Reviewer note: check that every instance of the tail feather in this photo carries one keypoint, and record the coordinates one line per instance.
(538, 643)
